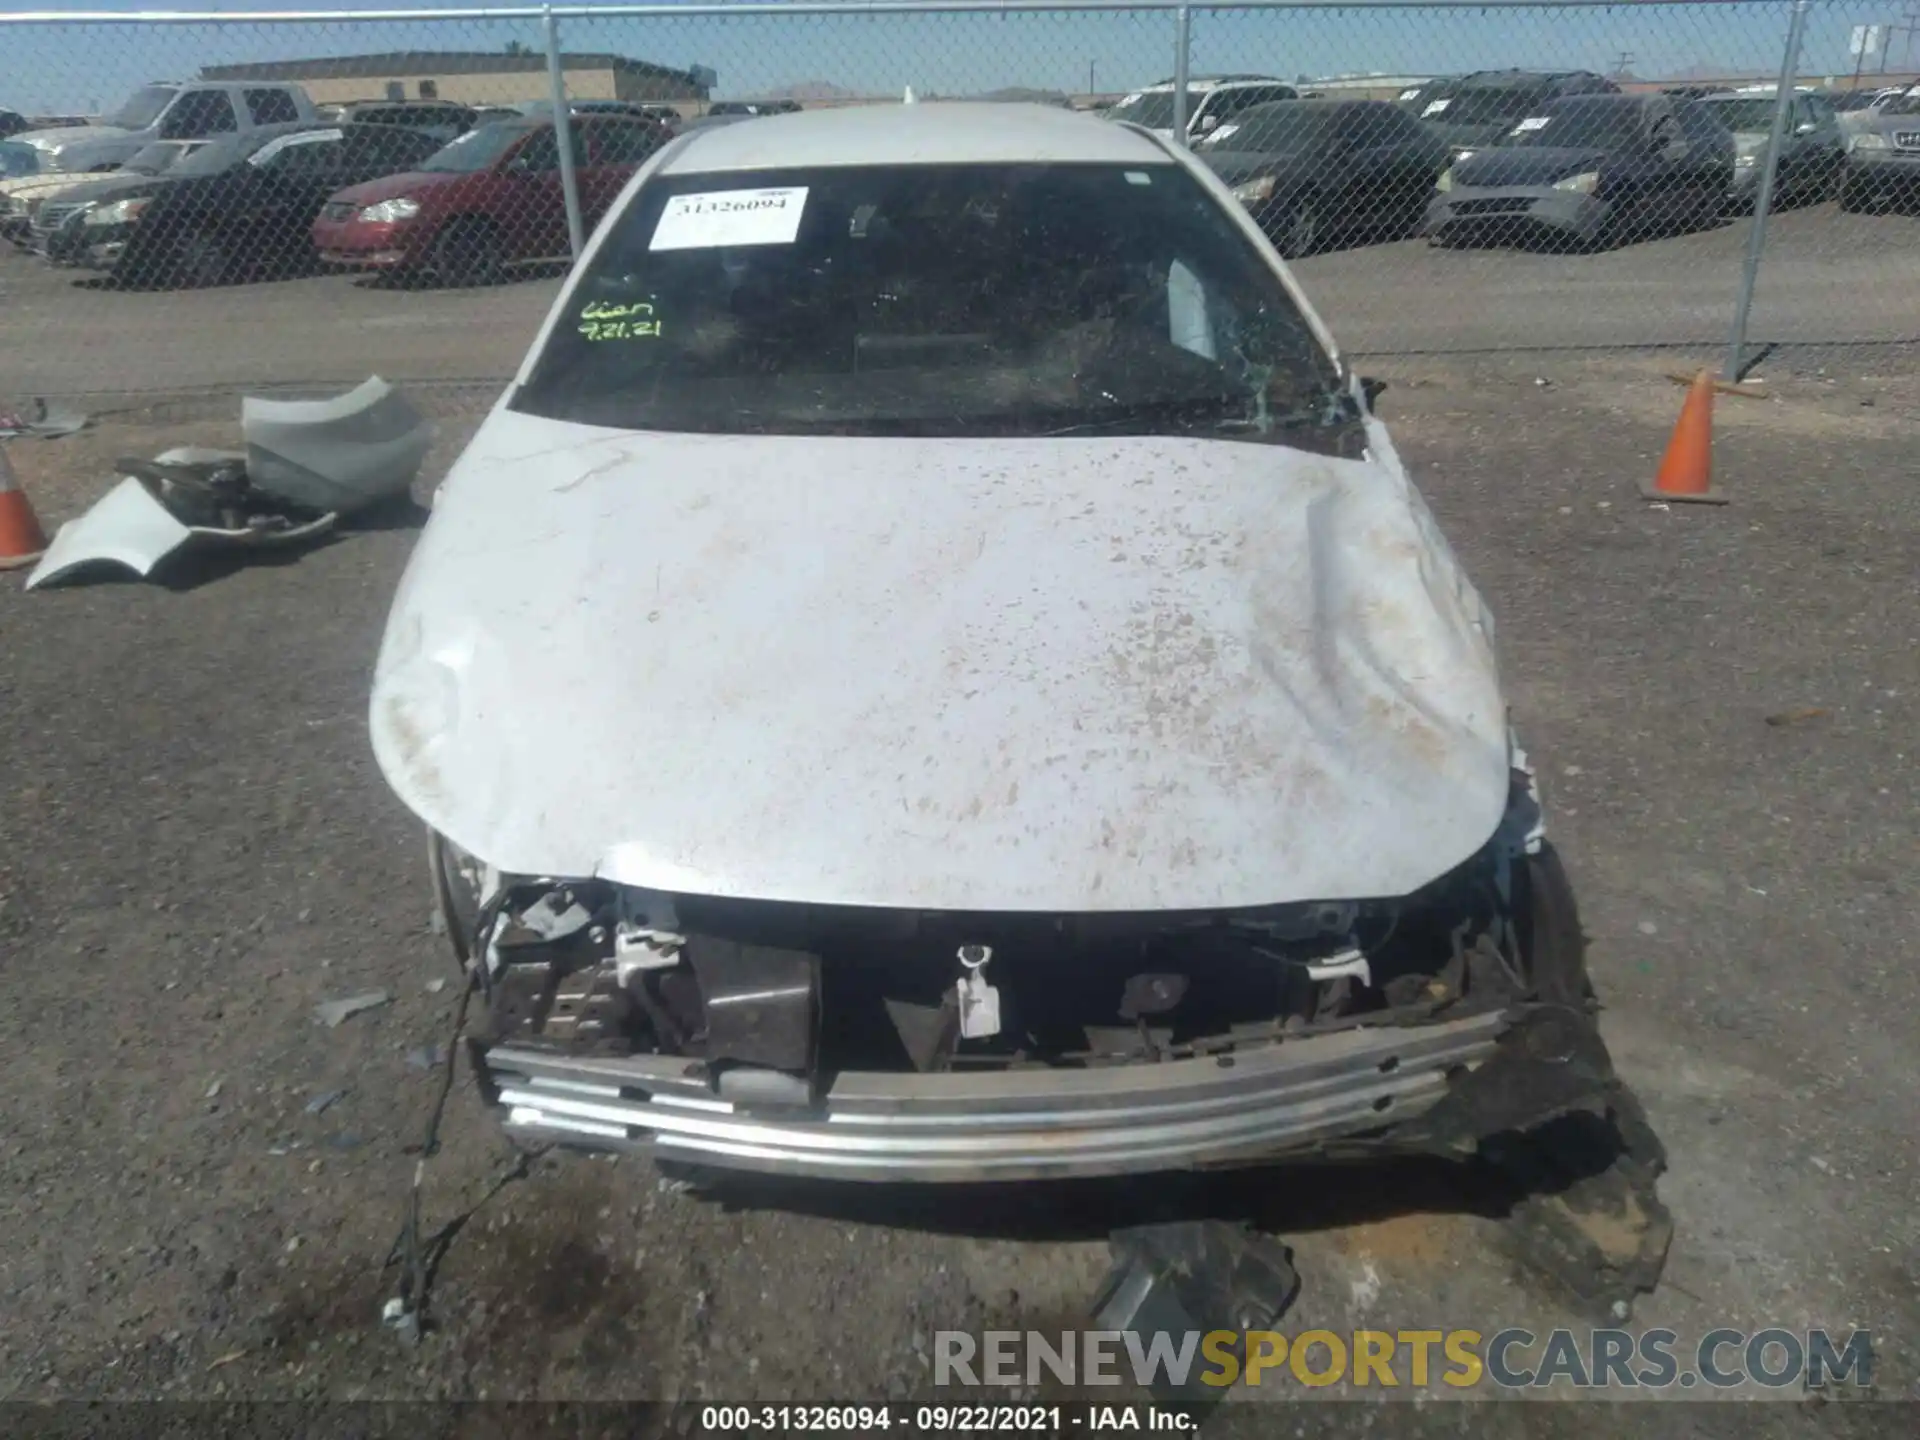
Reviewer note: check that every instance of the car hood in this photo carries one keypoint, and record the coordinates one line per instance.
(1522, 165)
(393, 187)
(100, 187)
(1069, 674)
(32, 187)
(62, 136)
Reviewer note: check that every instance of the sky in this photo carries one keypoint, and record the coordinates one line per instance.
(89, 67)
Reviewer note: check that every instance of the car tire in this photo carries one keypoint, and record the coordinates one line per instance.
(467, 253)
(1298, 232)
(198, 261)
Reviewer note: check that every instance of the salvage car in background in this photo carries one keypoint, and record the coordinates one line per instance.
(242, 209)
(17, 161)
(1883, 157)
(1595, 170)
(34, 211)
(1312, 169)
(1813, 150)
(445, 120)
(934, 672)
(1471, 111)
(490, 200)
(196, 110)
(1212, 101)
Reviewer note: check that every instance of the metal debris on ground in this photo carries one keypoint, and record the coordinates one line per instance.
(1192, 1276)
(333, 1013)
(307, 463)
(39, 421)
(325, 1101)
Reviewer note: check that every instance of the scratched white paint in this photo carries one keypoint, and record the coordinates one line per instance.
(1051, 674)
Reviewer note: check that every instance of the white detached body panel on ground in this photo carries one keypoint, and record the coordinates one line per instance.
(1072, 674)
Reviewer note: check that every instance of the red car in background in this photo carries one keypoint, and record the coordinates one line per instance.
(490, 200)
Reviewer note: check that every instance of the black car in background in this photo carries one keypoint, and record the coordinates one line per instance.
(244, 207)
(445, 120)
(1311, 169)
(1473, 110)
(1594, 170)
(12, 122)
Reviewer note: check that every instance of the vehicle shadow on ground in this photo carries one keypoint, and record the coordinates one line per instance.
(1275, 1199)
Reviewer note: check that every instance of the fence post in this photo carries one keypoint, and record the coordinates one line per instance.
(1182, 44)
(563, 133)
(1763, 196)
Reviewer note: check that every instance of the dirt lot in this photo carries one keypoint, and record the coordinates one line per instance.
(195, 848)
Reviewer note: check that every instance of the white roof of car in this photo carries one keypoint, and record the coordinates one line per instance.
(965, 133)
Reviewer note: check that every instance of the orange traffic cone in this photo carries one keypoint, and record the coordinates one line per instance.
(22, 541)
(1686, 472)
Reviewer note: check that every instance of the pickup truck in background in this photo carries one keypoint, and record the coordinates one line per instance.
(169, 111)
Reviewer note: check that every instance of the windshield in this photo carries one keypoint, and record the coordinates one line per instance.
(17, 160)
(142, 108)
(1488, 105)
(1908, 104)
(476, 150)
(1748, 115)
(1152, 108)
(1580, 125)
(1282, 128)
(152, 159)
(953, 300)
(219, 155)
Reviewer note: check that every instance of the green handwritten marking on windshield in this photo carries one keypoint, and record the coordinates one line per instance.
(602, 320)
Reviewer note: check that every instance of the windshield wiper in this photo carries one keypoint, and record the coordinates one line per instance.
(1328, 409)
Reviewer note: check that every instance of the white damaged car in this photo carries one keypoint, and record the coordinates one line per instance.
(933, 671)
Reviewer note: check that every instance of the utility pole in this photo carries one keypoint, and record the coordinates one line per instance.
(1621, 62)
(1091, 91)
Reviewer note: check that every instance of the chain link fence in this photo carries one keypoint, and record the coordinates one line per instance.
(221, 200)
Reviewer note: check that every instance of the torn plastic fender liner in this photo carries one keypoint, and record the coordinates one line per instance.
(342, 454)
(129, 527)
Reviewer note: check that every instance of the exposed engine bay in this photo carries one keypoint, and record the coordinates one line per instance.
(770, 1001)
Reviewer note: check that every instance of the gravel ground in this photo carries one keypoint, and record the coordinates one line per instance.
(195, 849)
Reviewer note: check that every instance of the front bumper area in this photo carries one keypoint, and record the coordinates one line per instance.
(1021, 1124)
(1467, 210)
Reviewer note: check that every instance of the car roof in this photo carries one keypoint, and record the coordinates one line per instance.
(951, 133)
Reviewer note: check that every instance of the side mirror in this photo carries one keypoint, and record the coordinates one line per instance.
(1806, 127)
(1373, 389)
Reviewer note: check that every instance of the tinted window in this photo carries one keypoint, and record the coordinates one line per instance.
(386, 147)
(1152, 108)
(271, 107)
(1701, 126)
(142, 108)
(313, 152)
(625, 144)
(1474, 105)
(1747, 113)
(198, 113)
(978, 300)
(1908, 104)
(479, 149)
(221, 155)
(1289, 126)
(17, 160)
(1374, 125)
(542, 151)
(1582, 125)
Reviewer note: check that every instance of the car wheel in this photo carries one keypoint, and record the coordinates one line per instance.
(467, 253)
(1300, 228)
(198, 261)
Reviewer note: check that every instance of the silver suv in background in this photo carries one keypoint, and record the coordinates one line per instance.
(169, 111)
(1883, 157)
(1212, 100)
(1812, 147)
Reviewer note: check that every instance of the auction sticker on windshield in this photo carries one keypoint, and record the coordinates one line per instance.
(730, 217)
(287, 142)
(1435, 108)
(1536, 122)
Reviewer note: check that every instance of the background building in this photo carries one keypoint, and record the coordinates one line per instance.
(475, 77)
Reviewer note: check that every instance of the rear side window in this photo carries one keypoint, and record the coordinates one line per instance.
(271, 107)
(199, 113)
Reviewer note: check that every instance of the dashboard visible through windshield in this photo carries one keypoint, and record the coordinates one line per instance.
(954, 300)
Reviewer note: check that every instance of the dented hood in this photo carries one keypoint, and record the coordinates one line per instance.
(1069, 674)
